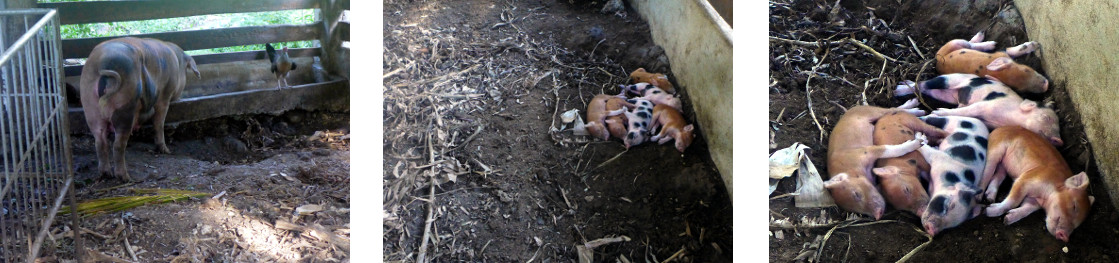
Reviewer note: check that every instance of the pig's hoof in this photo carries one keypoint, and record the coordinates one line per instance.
(920, 137)
(163, 149)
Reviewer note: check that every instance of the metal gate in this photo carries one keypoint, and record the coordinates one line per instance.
(35, 157)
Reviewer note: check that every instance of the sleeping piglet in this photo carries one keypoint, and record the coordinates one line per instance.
(956, 170)
(898, 177)
(989, 100)
(851, 155)
(656, 79)
(617, 124)
(639, 120)
(963, 56)
(1042, 180)
(660, 97)
(597, 114)
(672, 126)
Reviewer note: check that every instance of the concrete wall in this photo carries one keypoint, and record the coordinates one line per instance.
(1079, 52)
(697, 42)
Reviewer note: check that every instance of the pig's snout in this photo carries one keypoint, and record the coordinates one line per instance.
(878, 213)
(930, 228)
(1056, 141)
(1062, 235)
(1044, 84)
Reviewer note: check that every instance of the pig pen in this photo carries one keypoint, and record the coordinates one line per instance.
(843, 75)
(272, 164)
(473, 170)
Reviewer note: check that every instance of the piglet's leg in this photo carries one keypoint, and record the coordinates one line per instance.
(973, 110)
(995, 182)
(1022, 49)
(616, 112)
(875, 152)
(1027, 208)
(977, 38)
(996, 150)
(1017, 194)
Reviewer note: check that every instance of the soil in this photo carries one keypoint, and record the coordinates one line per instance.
(841, 79)
(265, 165)
(472, 92)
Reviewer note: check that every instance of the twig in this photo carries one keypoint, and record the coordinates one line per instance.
(915, 48)
(674, 255)
(537, 253)
(871, 50)
(430, 207)
(805, 43)
(471, 137)
(808, 93)
(918, 248)
(784, 195)
(607, 161)
(128, 247)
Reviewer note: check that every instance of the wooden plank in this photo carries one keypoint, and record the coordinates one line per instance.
(76, 70)
(206, 39)
(331, 96)
(131, 10)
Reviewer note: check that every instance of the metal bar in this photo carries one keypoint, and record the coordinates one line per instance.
(50, 218)
(23, 39)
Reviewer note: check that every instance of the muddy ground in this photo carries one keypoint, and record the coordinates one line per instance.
(847, 72)
(266, 166)
(472, 89)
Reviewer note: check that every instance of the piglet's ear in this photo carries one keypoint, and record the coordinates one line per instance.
(999, 64)
(835, 181)
(689, 128)
(885, 172)
(1027, 105)
(1077, 182)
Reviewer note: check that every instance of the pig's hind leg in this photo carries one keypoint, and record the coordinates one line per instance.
(1022, 49)
(1017, 194)
(1029, 206)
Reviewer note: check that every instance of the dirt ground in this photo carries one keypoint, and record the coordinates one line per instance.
(472, 90)
(266, 166)
(847, 72)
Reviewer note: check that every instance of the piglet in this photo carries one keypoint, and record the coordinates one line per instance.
(617, 124)
(851, 155)
(955, 172)
(660, 97)
(963, 56)
(989, 100)
(639, 120)
(656, 79)
(672, 126)
(898, 177)
(597, 113)
(1042, 180)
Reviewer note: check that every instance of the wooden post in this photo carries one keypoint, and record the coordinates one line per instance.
(330, 11)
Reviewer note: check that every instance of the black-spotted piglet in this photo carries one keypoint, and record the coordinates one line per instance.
(955, 172)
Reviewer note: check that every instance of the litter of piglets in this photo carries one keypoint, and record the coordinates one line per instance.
(653, 114)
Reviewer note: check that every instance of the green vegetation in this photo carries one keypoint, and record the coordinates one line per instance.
(292, 17)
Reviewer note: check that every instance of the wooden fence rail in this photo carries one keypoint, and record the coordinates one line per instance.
(131, 10)
(208, 38)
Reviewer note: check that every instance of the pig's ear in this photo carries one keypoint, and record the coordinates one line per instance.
(1027, 105)
(1077, 182)
(999, 64)
(885, 172)
(640, 70)
(835, 181)
(975, 210)
(689, 128)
